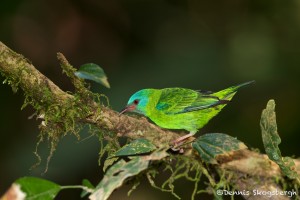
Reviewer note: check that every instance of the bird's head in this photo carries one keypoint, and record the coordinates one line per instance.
(138, 102)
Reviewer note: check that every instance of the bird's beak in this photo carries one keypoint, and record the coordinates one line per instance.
(128, 109)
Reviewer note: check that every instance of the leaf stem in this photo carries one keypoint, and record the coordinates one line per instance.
(89, 190)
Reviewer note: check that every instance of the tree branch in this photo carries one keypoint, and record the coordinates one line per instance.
(251, 170)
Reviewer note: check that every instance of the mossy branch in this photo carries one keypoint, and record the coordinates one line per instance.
(243, 170)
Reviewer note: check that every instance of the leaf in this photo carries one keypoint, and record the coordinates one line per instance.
(91, 71)
(271, 141)
(120, 171)
(38, 189)
(89, 185)
(211, 145)
(138, 146)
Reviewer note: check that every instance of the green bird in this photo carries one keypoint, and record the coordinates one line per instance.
(180, 108)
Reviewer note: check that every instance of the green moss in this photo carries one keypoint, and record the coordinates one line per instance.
(59, 120)
(11, 81)
(180, 167)
(59, 117)
(62, 117)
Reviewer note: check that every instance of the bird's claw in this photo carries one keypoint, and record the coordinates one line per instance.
(176, 147)
(180, 150)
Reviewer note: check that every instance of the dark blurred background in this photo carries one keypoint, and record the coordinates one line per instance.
(195, 44)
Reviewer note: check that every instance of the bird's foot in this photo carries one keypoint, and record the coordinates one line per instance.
(180, 141)
(176, 147)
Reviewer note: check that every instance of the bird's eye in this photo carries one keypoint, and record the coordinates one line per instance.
(136, 102)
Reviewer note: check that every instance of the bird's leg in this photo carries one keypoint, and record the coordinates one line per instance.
(179, 141)
(182, 138)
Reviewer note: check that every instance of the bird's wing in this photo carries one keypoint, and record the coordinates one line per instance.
(180, 100)
(204, 102)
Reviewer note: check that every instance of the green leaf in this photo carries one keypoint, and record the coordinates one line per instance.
(38, 189)
(271, 141)
(89, 185)
(120, 171)
(93, 72)
(211, 145)
(138, 146)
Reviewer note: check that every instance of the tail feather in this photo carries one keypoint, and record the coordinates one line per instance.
(228, 93)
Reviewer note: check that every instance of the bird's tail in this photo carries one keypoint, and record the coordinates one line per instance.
(228, 93)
